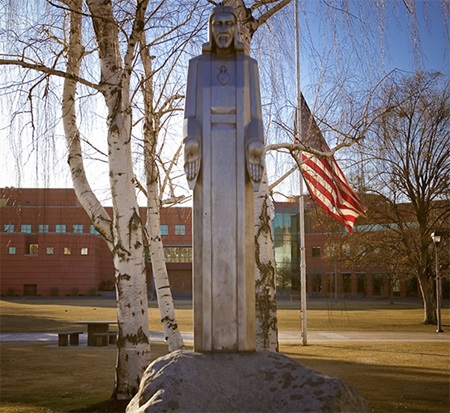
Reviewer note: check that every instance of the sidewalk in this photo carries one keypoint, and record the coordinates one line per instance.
(284, 337)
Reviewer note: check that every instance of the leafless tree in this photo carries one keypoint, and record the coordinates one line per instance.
(407, 163)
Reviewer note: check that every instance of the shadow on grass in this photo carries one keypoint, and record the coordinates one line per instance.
(107, 406)
(411, 377)
(397, 385)
(39, 377)
(88, 301)
(32, 324)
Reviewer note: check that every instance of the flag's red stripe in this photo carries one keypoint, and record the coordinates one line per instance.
(340, 191)
(329, 188)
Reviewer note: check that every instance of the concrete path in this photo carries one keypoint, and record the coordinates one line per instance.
(284, 337)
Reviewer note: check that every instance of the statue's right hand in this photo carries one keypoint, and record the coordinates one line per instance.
(191, 158)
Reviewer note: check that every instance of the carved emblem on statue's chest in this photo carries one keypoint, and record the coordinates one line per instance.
(223, 77)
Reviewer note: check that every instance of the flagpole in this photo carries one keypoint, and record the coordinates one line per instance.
(301, 206)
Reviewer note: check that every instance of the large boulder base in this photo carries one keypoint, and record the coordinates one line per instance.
(186, 381)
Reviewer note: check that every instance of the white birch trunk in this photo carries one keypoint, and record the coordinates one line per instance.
(265, 273)
(85, 195)
(172, 334)
(128, 247)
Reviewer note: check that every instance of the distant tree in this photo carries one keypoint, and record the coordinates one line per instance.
(407, 163)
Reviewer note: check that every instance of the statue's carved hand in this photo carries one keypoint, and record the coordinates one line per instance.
(255, 160)
(191, 158)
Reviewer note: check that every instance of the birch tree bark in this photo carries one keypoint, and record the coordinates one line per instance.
(85, 195)
(152, 123)
(265, 274)
(128, 246)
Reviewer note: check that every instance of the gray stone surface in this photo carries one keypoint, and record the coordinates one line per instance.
(224, 162)
(186, 381)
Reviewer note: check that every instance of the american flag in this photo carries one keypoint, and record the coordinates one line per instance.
(324, 178)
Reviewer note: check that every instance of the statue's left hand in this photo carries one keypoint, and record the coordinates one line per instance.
(255, 160)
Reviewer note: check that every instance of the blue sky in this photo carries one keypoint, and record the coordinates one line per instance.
(433, 39)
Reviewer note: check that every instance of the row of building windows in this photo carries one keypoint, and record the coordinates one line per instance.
(172, 254)
(33, 249)
(44, 228)
(79, 229)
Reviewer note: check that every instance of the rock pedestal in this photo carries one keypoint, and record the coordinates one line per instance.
(186, 381)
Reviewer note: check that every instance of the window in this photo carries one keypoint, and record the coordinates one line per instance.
(67, 251)
(180, 229)
(77, 229)
(12, 250)
(178, 254)
(25, 228)
(84, 251)
(316, 251)
(50, 250)
(8, 227)
(43, 228)
(92, 230)
(60, 228)
(33, 249)
(164, 229)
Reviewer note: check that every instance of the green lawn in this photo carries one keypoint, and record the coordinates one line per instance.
(393, 377)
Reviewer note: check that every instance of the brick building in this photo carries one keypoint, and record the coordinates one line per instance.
(48, 246)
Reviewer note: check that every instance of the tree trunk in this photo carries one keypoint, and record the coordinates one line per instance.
(85, 195)
(128, 247)
(152, 121)
(172, 333)
(129, 259)
(426, 284)
(133, 343)
(265, 274)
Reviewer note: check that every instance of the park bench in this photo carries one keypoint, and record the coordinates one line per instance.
(71, 337)
(103, 339)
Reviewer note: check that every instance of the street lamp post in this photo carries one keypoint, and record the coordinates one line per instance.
(436, 237)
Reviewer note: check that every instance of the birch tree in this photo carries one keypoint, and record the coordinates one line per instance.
(127, 244)
(155, 110)
(117, 32)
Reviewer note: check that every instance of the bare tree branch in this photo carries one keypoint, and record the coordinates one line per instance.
(39, 67)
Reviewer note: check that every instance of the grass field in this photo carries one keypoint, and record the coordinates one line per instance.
(392, 376)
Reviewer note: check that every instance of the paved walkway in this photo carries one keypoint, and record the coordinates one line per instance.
(284, 337)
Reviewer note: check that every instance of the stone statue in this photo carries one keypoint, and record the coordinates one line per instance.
(224, 162)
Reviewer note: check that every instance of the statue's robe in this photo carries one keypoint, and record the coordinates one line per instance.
(223, 111)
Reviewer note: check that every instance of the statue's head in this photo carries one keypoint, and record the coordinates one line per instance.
(223, 31)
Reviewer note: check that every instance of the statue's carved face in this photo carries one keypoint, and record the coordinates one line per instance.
(223, 28)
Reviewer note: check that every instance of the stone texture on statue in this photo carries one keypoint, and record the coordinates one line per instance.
(186, 381)
(224, 164)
